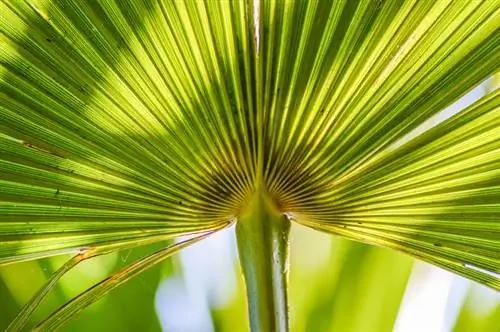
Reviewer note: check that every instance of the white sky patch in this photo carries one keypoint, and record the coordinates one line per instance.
(208, 268)
(491, 273)
(256, 23)
(461, 104)
(178, 310)
(456, 299)
(183, 304)
(424, 305)
(484, 300)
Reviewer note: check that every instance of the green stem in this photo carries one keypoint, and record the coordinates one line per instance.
(263, 243)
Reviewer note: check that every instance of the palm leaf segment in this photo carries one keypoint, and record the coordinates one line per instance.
(127, 121)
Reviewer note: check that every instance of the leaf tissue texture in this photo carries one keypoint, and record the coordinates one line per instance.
(123, 120)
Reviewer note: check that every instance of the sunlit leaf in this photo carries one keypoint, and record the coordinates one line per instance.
(344, 82)
(123, 121)
(103, 114)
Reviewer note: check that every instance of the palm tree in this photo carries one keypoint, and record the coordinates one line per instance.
(126, 123)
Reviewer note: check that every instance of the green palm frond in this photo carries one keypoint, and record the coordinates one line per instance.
(129, 122)
(104, 136)
(434, 197)
(344, 84)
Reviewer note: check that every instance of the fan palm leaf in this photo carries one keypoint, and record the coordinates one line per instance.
(128, 122)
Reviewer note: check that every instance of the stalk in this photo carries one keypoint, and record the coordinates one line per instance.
(262, 234)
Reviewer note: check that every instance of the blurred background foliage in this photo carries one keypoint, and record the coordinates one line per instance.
(336, 285)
